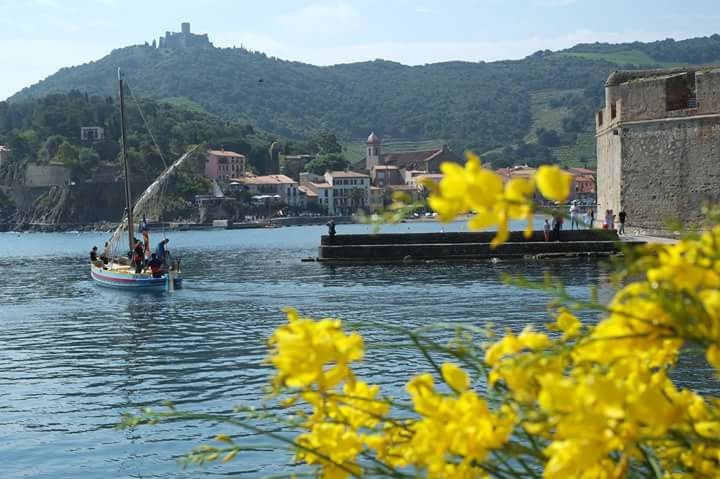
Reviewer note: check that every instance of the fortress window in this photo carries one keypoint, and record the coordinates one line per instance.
(680, 92)
(600, 117)
(613, 110)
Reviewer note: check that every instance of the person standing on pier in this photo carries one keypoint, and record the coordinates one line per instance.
(331, 229)
(574, 215)
(622, 216)
(546, 230)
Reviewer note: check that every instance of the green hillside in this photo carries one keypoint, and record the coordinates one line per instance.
(531, 110)
(668, 52)
(625, 57)
(471, 105)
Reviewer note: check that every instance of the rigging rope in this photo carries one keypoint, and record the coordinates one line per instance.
(137, 103)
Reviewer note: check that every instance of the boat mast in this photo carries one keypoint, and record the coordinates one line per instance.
(128, 198)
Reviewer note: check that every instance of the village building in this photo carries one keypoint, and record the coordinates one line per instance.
(351, 191)
(377, 198)
(280, 188)
(657, 142)
(223, 165)
(317, 190)
(386, 175)
(582, 188)
(428, 161)
(339, 192)
(92, 133)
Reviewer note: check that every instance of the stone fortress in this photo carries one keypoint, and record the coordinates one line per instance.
(184, 39)
(658, 146)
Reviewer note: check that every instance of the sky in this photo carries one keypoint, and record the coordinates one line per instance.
(38, 37)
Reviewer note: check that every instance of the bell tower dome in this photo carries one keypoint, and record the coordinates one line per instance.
(372, 152)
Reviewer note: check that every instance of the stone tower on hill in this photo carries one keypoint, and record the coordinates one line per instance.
(184, 39)
(658, 146)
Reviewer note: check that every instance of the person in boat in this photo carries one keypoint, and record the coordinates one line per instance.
(105, 256)
(156, 266)
(139, 257)
(161, 251)
(93, 255)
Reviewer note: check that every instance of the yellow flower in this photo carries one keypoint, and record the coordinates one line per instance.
(713, 356)
(455, 377)
(307, 352)
(568, 324)
(553, 182)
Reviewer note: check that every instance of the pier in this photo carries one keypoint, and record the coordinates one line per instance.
(361, 248)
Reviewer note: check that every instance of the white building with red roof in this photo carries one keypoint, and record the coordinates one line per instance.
(280, 187)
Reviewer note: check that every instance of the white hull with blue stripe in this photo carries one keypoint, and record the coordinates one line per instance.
(120, 276)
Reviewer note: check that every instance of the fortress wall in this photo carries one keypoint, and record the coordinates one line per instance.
(609, 173)
(669, 170)
(708, 91)
(643, 99)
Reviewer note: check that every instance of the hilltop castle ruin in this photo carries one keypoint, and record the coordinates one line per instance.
(184, 39)
(658, 142)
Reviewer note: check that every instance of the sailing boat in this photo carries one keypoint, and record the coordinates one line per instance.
(118, 272)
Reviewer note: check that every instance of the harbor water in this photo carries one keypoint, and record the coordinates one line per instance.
(75, 356)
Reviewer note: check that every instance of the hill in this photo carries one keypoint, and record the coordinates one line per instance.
(668, 52)
(47, 130)
(536, 109)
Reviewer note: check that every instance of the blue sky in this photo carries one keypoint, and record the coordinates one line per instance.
(37, 37)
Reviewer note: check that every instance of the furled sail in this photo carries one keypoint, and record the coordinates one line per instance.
(149, 204)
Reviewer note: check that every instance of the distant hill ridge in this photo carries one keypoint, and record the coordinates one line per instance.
(481, 106)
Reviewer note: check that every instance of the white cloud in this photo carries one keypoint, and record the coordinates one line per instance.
(320, 18)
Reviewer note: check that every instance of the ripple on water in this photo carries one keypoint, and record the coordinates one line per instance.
(73, 356)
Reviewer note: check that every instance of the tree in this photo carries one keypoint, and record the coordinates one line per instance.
(323, 163)
(326, 142)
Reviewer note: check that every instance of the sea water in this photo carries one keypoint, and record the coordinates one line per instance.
(75, 356)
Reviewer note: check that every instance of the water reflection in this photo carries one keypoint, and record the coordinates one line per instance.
(74, 356)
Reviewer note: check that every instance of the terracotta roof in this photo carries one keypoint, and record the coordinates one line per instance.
(373, 139)
(347, 174)
(307, 191)
(322, 185)
(521, 171)
(226, 153)
(265, 180)
(403, 159)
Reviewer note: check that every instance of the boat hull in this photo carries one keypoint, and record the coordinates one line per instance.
(131, 281)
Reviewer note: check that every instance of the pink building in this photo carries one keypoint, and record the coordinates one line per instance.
(223, 165)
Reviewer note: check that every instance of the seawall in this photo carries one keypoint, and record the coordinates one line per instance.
(463, 246)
